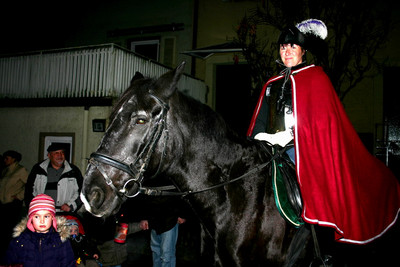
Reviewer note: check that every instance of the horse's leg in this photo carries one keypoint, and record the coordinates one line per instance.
(209, 255)
(298, 245)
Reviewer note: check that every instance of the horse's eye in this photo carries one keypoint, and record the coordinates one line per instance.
(140, 121)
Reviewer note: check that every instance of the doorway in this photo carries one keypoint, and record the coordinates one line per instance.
(233, 96)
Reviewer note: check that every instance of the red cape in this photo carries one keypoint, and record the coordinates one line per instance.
(343, 186)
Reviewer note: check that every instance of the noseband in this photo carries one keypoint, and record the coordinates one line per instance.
(137, 168)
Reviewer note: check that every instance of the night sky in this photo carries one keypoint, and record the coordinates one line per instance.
(38, 25)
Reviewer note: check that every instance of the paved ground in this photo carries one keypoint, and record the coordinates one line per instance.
(384, 252)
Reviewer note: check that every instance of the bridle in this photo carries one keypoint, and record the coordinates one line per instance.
(145, 156)
(143, 159)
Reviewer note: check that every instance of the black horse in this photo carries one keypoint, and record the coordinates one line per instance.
(155, 131)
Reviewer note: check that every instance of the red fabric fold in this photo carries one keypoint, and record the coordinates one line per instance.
(343, 186)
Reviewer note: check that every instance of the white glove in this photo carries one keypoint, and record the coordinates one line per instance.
(280, 138)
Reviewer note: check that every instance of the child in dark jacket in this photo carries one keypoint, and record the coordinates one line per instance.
(41, 239)
(84, 249)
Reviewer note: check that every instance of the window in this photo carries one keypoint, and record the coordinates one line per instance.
(147, 48)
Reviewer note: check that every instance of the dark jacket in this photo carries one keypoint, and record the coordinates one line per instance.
(83, 247)
(163, 212)
(41, 250)
(277, 94)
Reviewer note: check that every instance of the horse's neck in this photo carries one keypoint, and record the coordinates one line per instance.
(212, 151)
(203, 140)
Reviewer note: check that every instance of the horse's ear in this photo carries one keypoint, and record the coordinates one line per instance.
(137, 76)
(167, 83)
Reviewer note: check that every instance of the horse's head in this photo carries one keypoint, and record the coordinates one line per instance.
(133, 145)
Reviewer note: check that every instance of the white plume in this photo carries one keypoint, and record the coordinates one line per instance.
(313, 26)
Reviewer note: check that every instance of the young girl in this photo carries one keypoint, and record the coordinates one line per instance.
(41, 239)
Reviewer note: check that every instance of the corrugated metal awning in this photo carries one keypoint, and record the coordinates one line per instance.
(101, 71)
(208, 51)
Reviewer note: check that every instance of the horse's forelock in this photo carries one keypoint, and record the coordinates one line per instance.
(164, 87)
(136, 93)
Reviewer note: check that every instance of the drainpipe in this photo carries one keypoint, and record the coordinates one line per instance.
(194, 34)
(85, 139)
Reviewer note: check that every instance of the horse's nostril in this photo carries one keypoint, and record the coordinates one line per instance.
(96, 197)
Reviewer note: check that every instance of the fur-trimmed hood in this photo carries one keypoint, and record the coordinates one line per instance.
(62, 228)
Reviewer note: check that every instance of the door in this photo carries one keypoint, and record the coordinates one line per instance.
(233, 101)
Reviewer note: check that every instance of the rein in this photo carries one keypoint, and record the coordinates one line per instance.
(161, 191)
(95, 158)
(157, 191)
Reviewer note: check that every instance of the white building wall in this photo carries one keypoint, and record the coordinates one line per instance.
(21, 127)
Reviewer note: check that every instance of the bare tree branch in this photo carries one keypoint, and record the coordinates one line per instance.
(355, 32)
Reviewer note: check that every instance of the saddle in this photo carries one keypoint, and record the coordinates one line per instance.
(286, 188)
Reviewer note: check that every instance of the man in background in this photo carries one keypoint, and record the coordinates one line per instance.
(57, 178)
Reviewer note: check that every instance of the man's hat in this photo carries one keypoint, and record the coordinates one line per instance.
(55, 147)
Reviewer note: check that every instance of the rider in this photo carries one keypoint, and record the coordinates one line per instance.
(340, 188)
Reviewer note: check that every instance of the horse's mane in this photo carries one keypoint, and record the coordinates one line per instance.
(204, 117)
(206, 120)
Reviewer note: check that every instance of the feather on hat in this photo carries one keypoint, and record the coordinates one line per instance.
(313, 26)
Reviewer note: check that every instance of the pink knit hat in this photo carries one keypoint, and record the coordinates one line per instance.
(41, 202)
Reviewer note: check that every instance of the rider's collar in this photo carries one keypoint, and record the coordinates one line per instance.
(287, 70)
